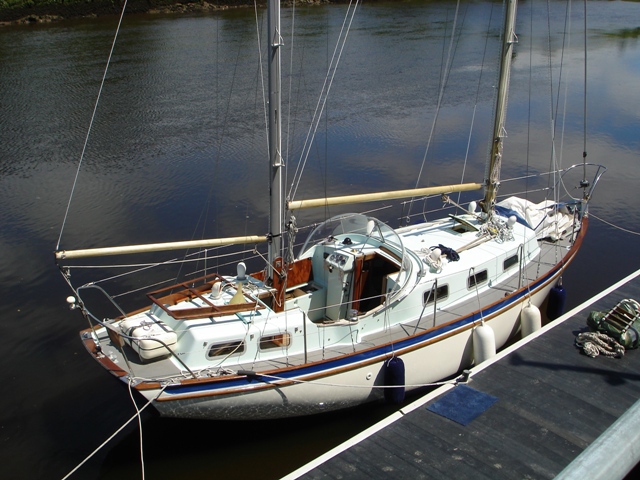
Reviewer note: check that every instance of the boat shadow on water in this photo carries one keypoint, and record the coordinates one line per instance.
(236, 450)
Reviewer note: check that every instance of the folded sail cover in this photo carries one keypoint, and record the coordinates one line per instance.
(548, 219)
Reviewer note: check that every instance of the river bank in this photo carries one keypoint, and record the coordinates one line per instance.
(24, 12)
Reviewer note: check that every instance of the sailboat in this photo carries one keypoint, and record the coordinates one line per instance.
(363, 312)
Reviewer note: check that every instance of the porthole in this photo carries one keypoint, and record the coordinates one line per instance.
(477, 279)
(279, 340)
(225, 349)
(510, 262)
(441, 293)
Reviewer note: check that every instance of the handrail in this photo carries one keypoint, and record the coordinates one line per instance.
(108, 326)
(433, 290)
(522, 264)
(601, 169)
(304, 336)
(109, 297)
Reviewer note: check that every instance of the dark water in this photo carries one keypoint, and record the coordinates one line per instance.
(177, 151)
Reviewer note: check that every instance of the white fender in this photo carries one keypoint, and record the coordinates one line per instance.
(530, 320)
(484, 343)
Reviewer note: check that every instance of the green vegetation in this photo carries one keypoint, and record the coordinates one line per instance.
(30, 11)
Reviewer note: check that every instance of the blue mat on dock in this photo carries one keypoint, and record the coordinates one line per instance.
(462, 404)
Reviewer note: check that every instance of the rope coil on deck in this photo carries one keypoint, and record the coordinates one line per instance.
(496, 229)
(434, 260)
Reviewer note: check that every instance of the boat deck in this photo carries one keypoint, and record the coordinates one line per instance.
(551, 403)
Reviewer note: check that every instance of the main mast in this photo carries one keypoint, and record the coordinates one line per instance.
(276, 197)
(492, 174)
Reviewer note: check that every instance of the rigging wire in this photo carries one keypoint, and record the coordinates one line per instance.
(443, 84)
(529, 109)
(264, 104)
(322, 98)
(204, 213)
(261, 75)
(550, 68)
(93, 116)
(475, 106)
(144, 266)
(289, 95)
(567, 35)
(556, 154)
(527, 177)
(556, 159)
(612, 225)
(556, 170)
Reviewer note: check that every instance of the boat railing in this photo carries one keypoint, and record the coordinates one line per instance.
(522, 264)
(560, 181)
(117, 338)
(186, 292)
(600, 170)
(93, 286)
(431, 298)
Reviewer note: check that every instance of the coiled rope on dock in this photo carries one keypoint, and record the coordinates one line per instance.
(596, 343)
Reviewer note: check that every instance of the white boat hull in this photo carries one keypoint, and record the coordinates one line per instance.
(440, 358)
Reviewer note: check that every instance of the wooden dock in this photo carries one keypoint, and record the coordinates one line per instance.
(540, 405)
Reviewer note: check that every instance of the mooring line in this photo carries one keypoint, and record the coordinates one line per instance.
(134, 417)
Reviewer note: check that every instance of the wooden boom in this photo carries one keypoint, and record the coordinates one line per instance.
(372, 197)
(158, 247)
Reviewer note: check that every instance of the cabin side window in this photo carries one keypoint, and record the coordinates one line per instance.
(279, 340)
(226, 349)
(441, 293)
(510, 262)
(477, 279)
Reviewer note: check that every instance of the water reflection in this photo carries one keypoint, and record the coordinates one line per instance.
(182, 111)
